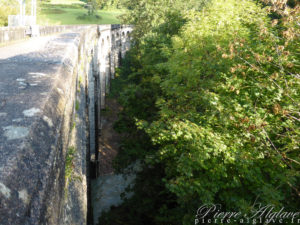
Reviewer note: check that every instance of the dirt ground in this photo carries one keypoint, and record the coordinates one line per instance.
(109, 139)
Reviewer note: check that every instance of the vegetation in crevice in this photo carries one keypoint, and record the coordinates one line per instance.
(69, 167)
(77, 105)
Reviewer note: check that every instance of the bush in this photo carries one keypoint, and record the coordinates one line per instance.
(214, 91)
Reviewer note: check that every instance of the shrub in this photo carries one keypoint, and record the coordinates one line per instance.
(215, 94)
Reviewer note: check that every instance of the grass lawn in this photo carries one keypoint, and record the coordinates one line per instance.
(56, 12)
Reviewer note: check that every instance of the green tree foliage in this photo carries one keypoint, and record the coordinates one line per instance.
(106, 4)
(7, 7)
(91, 6)
(211, 105)
(116, 4)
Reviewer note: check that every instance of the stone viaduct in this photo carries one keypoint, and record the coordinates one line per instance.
(52, 90)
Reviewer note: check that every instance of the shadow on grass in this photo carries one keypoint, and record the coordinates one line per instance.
(88, 17)
(53, 11)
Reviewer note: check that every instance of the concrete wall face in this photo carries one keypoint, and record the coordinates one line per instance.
(45, 157)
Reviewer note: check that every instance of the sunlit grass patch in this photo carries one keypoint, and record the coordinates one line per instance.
(74, 12)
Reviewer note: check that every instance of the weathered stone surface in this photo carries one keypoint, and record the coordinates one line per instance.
(107, 189)
(12, 34)
(46, 109)
(33, 131)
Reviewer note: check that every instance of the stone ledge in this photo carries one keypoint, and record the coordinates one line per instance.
(37, 93)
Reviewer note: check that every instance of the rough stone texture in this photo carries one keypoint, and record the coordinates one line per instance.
(107, 189)
(76, 195)
(45, 109)
(34, 163)
(12, 33)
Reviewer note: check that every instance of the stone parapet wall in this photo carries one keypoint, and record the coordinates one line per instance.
(48, 30)
(50, 102)
(10, 34)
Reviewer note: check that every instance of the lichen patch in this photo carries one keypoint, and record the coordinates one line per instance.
(31, 112)
(48, 121)
(37, 75)
(3, 114)
(17, 120)
(60, 91)
(14, 132)
(23, 195)
(5, 191)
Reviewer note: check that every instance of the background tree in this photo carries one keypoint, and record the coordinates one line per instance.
(7, 7)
